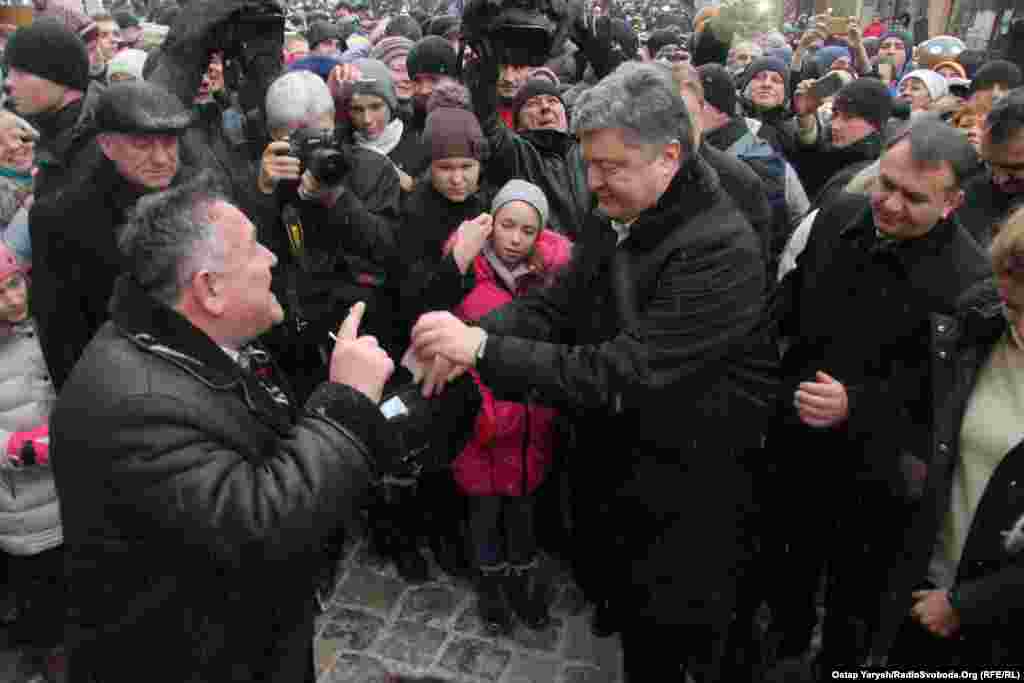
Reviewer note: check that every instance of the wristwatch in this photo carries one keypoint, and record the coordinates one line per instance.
(483, 347)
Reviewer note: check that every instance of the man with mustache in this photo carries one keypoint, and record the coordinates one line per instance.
(993, 195)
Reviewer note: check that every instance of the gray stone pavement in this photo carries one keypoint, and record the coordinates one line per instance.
(377, 625)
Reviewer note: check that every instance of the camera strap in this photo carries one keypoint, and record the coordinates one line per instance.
(292, 223)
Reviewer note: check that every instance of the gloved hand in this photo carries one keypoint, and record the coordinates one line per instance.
(35, 441)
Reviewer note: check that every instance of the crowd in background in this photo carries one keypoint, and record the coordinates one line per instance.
(825, 410)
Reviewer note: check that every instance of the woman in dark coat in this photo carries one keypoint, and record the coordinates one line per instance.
(965, 593)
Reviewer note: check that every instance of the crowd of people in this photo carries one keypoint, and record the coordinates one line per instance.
(728, 322)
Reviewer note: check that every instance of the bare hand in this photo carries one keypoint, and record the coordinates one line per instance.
(441, 333)
(822, 403)
(932, 610)
(358, 361)
(406, 181)
(277, 166)
(470, 239)
(804, 103)
(853, 32)
(440, 372)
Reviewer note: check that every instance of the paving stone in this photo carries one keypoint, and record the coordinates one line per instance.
(352, 629)
(412, 643)
(473, 657)
(433, 604)
(527, 668)
(546, 639)
(356, 668)
(365, 588)
(586, 674)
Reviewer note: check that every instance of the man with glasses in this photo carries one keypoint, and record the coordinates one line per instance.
(138, 125)
(993, 195)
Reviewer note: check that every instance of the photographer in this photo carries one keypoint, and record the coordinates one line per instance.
(338, 236)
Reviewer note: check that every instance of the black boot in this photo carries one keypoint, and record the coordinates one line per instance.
(528, 595)
(491, 604)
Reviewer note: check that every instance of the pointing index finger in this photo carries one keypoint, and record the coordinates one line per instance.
(349, 329)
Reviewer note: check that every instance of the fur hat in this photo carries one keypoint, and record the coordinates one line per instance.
(48, 49)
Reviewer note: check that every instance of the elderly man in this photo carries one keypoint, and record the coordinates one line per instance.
(638, 342)
(855, 312)
(76, 260)
(204, 481)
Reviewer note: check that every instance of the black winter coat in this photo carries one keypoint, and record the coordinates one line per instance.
(195, 497)
(858, 309)
(990, 577)
(641, 344)
(76, 260)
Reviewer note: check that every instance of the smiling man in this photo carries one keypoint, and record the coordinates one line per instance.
(636, 342)
(993, 195)
(856, 313)
(139, 126)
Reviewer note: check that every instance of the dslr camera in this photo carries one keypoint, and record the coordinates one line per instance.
(320, 154)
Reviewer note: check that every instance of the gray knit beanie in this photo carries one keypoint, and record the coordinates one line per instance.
(517, 190)
(376, 80)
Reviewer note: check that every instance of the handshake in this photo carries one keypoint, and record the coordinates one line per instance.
(443, 348)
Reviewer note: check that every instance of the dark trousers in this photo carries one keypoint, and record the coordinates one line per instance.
(501, 529)
(39, 587)
(654, 652)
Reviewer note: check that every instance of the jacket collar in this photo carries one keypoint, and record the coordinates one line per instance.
(725, 137)
(162, 331)
(694, 188)
(552, 141)
(867, 148)
(165, 332)
(862, 230)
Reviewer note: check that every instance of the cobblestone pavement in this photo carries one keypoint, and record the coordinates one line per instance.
(377, 624)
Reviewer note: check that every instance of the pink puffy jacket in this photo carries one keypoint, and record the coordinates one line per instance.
(491, 464)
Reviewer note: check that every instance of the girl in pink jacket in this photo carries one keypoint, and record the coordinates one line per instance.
(513, 443)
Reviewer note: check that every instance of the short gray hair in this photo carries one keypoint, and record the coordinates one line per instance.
(297, 96)
(934, 142)
(170, 238)
(642, 101)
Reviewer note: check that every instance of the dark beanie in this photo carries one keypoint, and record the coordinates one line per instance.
(533, 88)
(866, 98)
(443, 25)
(719, 88)
(996, 71)
(321, 31)
(46, 48)
(662, 37)
(431, 55)
(450, 133)
(405, 26)
(763, 64)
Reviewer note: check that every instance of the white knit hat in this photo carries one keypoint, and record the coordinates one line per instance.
(521, 191)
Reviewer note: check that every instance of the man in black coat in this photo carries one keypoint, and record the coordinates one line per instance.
(855, 315)
(195, 491)
(992, 196)
(642, 343)
(73, 230)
